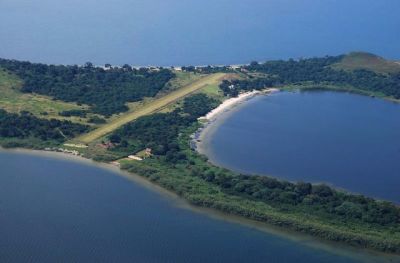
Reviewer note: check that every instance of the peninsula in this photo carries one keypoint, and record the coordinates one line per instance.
(143, 120)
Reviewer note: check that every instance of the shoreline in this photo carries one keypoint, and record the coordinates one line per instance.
(184, 203)
(86, 161)
(181, 203)
(218, 114)
(350, 90)
(200, 141)
(233, 102)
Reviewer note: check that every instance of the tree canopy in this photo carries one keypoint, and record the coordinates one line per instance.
(25, 125)
(160, 131)
(315, 71)
(106, 91)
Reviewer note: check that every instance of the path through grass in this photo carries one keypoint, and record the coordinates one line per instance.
(152, 107)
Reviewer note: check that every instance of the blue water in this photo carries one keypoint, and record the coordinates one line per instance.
(175, 32)
(349, 141)
(54, 210)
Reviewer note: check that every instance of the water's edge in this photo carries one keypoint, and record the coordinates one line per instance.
(179, 202)
(200, 140)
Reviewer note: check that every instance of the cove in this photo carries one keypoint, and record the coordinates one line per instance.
(54, 210)
(346, 140)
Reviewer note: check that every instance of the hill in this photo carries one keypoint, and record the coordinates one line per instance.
(105, 91)
(368, 61)
(13, 100)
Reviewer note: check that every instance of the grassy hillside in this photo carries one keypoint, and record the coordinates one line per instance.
(13, 100)
(181, 79)
(362, 60)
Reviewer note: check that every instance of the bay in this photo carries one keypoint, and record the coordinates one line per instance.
(346, 140)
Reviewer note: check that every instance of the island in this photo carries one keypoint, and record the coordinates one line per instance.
(145, 121)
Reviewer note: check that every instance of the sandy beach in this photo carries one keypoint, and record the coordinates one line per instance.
(202, 136)
(232, 102)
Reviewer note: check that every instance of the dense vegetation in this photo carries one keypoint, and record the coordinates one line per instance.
(357, 217)
(314, 209)
(314, 71)
(304, 197)
(198, 105)
(208, 69)
(70, 113)
(25, 125)
(106, 91)
(160, 131)
(306, 217)
(96, 120)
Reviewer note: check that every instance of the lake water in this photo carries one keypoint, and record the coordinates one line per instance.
(54, 210)
(176, 32)
(346, 140)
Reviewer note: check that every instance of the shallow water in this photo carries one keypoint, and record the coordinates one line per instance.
(347, 140)
(55, 210)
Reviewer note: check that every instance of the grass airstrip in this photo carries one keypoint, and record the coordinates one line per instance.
(152, 106)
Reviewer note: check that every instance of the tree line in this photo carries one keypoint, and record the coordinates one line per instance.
(105, 90)
(315, 71)
(26, 125)
(303, 197)
(165, 134)
(160, 131)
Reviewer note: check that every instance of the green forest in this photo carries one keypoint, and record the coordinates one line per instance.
(106, 91)
(315, 209)
(174, 160)
(315, 71)
(160, 131)
(25, 125)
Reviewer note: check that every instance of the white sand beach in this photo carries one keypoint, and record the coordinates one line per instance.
(201, 138)
(229, 103)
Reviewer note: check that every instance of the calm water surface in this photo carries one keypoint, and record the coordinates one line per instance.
(54, 210)
(349, 141)
(176, 32)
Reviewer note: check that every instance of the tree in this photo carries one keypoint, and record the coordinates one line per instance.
(115, 138)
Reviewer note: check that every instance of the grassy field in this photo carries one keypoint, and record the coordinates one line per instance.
(182, 79)
(12, 100)
(152, 106)
(361, 60)
(211, 90)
